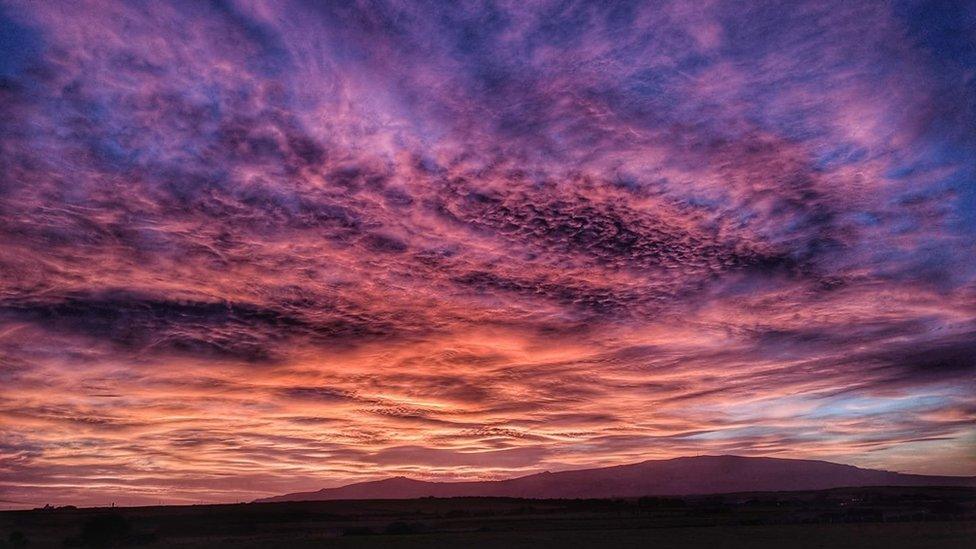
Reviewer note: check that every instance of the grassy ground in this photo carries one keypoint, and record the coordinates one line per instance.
(856, 518)
(800, 536)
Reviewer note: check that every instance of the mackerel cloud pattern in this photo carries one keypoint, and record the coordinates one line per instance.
(250, 248)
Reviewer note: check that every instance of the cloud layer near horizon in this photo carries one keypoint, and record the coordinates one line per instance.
(249, 248)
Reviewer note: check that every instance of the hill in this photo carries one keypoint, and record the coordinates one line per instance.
(679, 476)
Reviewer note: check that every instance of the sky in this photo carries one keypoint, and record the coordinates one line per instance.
(248, 248)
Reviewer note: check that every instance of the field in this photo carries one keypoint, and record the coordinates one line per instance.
(862, 518)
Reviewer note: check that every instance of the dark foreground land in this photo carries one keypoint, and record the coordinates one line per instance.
(848, 517)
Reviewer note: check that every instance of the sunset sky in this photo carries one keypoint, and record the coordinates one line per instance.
(248, 248)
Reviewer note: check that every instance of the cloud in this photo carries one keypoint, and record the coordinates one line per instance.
(418, 455)
(336, 241)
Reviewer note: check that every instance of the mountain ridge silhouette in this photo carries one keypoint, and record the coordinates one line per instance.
(691, 475)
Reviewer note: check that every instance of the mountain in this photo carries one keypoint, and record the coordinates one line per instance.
(676, 477)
